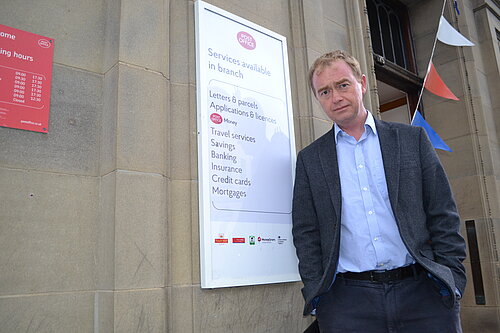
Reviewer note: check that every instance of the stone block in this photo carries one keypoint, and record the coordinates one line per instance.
(144, 34)
(195, 233)
(488, 150)
(423, 48)
(104, 311)
(485, 22)
(425, 17)
(72, 144)
(105, 256)
(448, 55)
(467, 193)
(480, 86)
(140, 311)
(311, 56)
(274, 16)
(335, 11)
(193, 132)
(107, 153)
(112, 35)
(249, 309)
(493, 188)
(297, 38)
(180, 58)
(191, 46)
(494, 113)
(460, 162)
(318, 112)
(181, 133)
(482, 319)
(314, 26)
(48, 232)
(481, 122)
(490, 281)
(49, 313)
(140, 230)
(304, 132)
(76, 26)
(180, 233)
(338, 36)
(141, 120)
(320, 127)
(180, 316)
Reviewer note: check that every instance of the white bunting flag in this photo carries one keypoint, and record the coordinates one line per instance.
(448, 35)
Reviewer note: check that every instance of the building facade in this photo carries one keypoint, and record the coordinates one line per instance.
(99, 217)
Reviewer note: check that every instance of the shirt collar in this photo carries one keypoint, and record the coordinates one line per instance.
(369, 123)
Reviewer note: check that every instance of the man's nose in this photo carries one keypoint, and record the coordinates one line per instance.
(335, 96)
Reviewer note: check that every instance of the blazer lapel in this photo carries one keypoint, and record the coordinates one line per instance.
(329, 165)
(389, 145)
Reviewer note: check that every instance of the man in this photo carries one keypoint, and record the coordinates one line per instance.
(374, 221)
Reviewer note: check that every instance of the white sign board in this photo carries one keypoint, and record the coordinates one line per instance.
(246, 152)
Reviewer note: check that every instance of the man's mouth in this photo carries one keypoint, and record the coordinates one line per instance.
(340, 108)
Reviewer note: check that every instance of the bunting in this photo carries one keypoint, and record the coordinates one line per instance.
(455, 5)
(436, 140)
(435, 84)
(448, 35)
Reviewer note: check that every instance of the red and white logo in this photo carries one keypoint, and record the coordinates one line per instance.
(246, 40)
(238, 240)
(221, 239)
(216, 118)
(44, 43)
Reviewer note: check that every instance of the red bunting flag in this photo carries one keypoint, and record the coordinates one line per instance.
(435, 84)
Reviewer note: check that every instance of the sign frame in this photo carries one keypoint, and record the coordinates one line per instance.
(282, 243)
(26, 62)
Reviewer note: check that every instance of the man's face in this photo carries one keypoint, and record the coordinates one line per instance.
(340, 93)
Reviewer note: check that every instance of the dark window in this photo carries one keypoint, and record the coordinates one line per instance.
(393, 49)
(390, 33)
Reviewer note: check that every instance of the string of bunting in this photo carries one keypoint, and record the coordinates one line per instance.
(433, 82)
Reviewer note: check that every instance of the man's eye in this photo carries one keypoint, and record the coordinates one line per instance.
(343, 86)
(324, 92)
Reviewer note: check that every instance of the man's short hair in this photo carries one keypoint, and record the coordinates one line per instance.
(327, 58)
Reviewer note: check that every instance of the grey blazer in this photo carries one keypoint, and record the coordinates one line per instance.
(420, 197)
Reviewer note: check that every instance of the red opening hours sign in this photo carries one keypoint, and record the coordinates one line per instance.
(25, 79)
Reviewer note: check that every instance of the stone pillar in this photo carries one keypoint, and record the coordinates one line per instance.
(132, 237)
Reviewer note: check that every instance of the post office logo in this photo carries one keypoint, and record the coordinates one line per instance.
(246, 40)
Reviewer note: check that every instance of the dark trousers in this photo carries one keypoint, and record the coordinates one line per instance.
(411, 305)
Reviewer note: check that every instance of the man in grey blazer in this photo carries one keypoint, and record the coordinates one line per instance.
(375, 224)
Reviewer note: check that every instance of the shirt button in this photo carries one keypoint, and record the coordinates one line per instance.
(370, 212)
(360, 166)
(375, 239)
(365, 188)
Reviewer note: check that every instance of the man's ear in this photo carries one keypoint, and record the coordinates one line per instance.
(363, 83)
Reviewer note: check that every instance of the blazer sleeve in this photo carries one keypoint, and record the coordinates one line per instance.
(306, 234)
(443, 221)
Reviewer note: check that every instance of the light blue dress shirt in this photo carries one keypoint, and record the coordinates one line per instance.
(369, 237)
